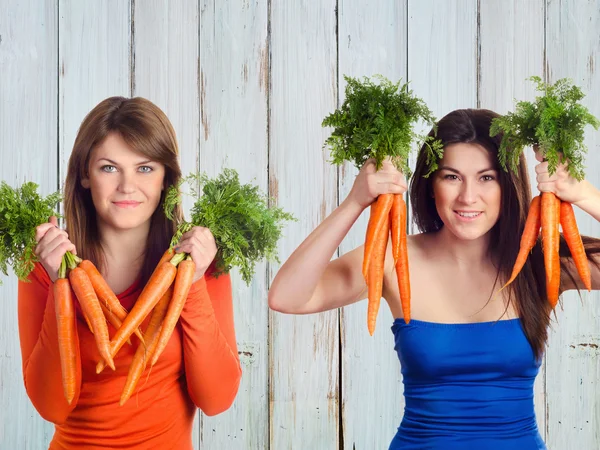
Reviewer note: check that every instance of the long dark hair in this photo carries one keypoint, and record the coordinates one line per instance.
(147, 130)
(528, 291)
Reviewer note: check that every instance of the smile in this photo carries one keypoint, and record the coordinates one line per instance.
(468, 215)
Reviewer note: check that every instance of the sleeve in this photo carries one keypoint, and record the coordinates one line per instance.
(212, 365)
(38, 336)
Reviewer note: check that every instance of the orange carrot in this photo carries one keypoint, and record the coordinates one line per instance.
(396, 212)
(555, 279)
(68, 341)
(105, 294)
(87, 321)
(112, 318)
(402, 272)
(380, 210)
(531, 231)
(144, 353)
(573, 239)
(550, 210)
(90, 305)
(157, 285)
(375, 274)
(183, 282)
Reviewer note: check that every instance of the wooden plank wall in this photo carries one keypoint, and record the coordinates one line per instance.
(246, 84)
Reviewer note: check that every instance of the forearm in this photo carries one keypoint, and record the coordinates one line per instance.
(212, 365)
(591, 201)
(297, 279)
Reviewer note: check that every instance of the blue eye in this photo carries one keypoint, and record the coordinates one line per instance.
(146, 169)
(108, 168)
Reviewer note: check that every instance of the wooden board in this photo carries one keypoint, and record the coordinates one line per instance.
(303, 360)
(372, 40)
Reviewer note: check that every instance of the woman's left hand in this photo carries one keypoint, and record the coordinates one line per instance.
(561, 183)
(199, 242)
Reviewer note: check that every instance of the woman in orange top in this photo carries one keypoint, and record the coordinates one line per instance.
(124, 158)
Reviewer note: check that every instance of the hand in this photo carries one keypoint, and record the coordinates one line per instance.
(199, 242)
(52, 244)
(561, 183)
(371, 183)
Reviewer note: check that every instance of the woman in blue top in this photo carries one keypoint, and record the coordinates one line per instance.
(469, 359)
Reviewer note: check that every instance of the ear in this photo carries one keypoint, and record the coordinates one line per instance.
(85, 183)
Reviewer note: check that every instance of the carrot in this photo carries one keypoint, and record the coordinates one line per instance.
(401, 263)
(531, 231)
(398, 208)
(90, 305)
(573, 239)
(183, 282)
(105, 294)
(550, 209)
(380, 210)
(144, 353)
(68, 341)
(112, 318)
(87, 321)
(375, 278)
(555, 279)
(157, 285)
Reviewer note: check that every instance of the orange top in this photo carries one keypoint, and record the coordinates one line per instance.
(199, 368)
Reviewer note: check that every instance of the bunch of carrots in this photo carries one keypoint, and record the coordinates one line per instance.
(553, 124)
(246, 230)
(376, 121)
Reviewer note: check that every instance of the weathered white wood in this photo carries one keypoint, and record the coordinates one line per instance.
(234, 81)
(303, 362)
(442, 56)
(573, 357)
(28, 146)
(207, 65)
(505, 64)
(165, 64)
(372, 40)
(94, 53)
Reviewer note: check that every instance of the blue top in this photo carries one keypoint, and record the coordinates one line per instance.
(466, 386)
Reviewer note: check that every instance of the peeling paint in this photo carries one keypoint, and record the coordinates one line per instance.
(263, 78)
(202, 105)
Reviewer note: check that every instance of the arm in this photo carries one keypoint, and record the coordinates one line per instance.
(38, 336)
(212, 365)
(309, 281)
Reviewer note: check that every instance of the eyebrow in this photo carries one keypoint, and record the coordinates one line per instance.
(451, 169)
(115, 164)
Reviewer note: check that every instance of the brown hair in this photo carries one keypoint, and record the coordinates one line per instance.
(147, 130)
(528, 291)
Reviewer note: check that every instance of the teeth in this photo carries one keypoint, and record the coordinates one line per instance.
(462, 214)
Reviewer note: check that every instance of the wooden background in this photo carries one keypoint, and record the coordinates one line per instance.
(246, 84)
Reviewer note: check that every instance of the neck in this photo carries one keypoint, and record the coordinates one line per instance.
(124, 248)
(466, 254)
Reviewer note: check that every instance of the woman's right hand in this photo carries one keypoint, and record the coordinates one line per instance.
(52, 244)
(370, 183)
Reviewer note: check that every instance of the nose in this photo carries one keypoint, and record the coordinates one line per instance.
(468, 192)
(127, 183)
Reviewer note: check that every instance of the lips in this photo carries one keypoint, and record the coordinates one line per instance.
(126, 204)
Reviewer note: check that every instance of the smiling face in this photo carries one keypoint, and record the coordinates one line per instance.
(125, 185)
(466, 191)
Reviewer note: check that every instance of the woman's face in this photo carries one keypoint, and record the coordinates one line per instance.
(125, 185)
(466, 191)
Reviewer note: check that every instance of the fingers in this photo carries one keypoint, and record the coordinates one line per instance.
(198, 239)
